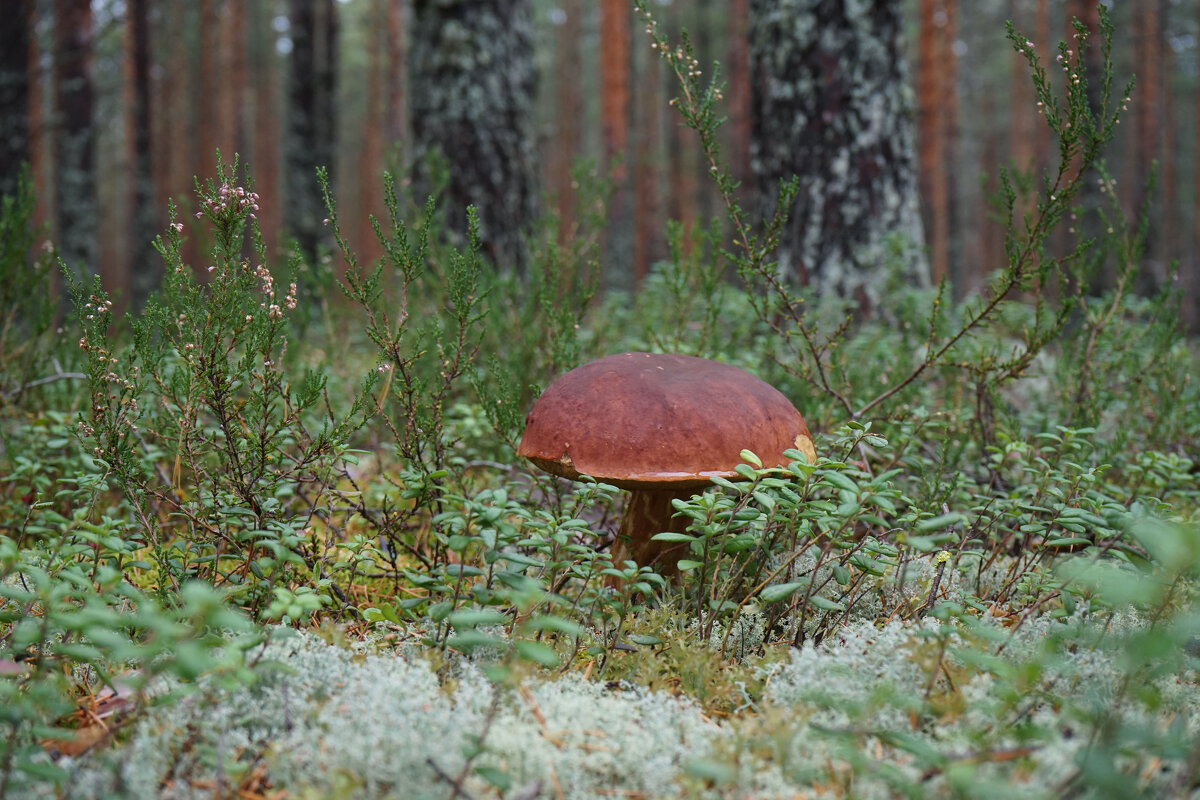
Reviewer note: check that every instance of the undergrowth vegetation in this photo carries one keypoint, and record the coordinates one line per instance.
(270, 532)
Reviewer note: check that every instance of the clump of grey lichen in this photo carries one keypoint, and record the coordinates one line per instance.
(864, 712)
(334, 721)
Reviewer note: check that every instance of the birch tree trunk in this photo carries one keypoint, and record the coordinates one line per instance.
(472, 90)
(832, 105)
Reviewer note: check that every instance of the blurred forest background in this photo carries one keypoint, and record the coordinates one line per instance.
(116, 104)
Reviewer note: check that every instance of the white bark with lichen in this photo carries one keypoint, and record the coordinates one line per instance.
(473, 82)
(833, 106)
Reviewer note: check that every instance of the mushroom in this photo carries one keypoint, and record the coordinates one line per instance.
(661, 426)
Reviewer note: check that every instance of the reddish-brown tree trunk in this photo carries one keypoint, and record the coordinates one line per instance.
(220, 33)
(212, 83)
(1169, 247)
(949, 61)
(370, 165)
(568, 93)
(737, 78)
(397, 81)
(1147, 106)
(174, 131)
(1041, 134)
(936, 111)
(614, 84)
(265, 90)
(647, 223)
(614, 117)
(1022, 106)
(682, 159)
(235, 55)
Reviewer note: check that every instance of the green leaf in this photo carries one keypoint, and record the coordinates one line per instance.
(1067, 541)
(746, 471)
(544, 622)
(724, 483)
(780, 591)
(537, 652)
(671, 536)
(496, 777)
(687, 564)
(939, 522)
(825, 603)
(765, 500)
(472, 617)
(749, 457)
(712, 771)
(839, 480)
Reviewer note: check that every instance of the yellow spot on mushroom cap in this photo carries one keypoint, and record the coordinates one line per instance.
(805, 445)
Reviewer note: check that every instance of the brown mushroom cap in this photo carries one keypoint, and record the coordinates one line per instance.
(642, 420)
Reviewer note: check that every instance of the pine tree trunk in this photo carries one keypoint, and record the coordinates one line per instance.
(931, 144)
(568, 93)
(472, 90)
(832, 106)
(144, 263)
(1147, 108)
(14, 93)
(737, 76)
(310, 143)
(211, 126)
(682, 157)
(265, 132)
(1189, 273)
(76, 140)
(1042, 132)
(370, 179)
(44, 196)
(614, 127)
(648, 105)
(398, 135)
(174, 132)
(948, 59)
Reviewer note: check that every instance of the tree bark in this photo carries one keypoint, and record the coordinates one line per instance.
(370, 180)
(647, 209)
(1147, 108)
(44, 196)
(473, 80)
(568, 93)
(143, 261)
(1190, 277)
(683, 156)
(398, 135)
(265, 132)
(932, 155)
(14, 93)
(832, 106)
(75, 142)
(614, 127)
(737, 76)
(311, 117)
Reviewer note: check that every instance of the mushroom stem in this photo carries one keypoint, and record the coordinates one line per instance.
(648, 512)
